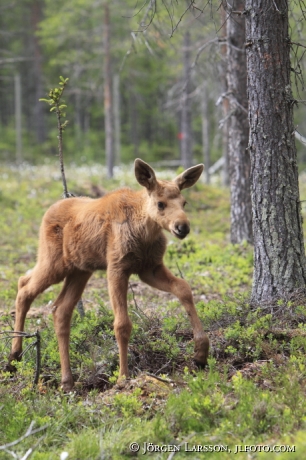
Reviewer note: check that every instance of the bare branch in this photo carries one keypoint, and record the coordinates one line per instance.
(159, 378)
(28, 433)
(299, 137)
(297, 44)
(181, 18)
(135, 33)
(31, 450)
(169, 14)
(38, 358)
(13, 60)
(14, 334)
(140, 9)
(202, 48)
(276, 6)
(36, 343)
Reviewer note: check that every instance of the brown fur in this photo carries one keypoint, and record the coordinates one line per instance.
(120, 232)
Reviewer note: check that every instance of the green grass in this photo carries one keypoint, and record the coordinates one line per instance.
(252, 393)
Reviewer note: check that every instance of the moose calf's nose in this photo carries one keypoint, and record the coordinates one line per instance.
(182, 229)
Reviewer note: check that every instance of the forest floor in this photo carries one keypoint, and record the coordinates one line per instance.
(250, 401)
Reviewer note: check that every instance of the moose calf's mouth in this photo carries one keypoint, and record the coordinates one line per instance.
(181, 236)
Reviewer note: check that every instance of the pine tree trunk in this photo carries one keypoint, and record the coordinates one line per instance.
(279, 257)
(134, 123)
(38, 107)
(239, 158)
(117, 127)
(108, 103)
(18, 117)
(205, 131)
(186, 148)
(225, 104)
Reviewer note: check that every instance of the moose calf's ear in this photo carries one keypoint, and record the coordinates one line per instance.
(145, 175)
(189, 177)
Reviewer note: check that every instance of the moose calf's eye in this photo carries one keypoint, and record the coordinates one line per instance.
(161, 206)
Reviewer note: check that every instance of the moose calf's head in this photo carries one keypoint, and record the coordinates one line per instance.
(165, 202)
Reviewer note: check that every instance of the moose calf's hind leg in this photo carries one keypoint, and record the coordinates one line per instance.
(29, 287)
(63, 308)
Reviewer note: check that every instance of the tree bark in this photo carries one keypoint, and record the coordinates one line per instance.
(225, 104)
(18, 117)
(279, 255)
(38, 107)
(117, 127)
(108, 103)
(205, 131)
(134, 117)
(186, 147)
(39, 112)
(238, 134)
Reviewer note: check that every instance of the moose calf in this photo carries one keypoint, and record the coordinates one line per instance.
(123, 233)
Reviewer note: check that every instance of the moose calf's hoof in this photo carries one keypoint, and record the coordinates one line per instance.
(67, 386)
(201, 352)
(10, 368)
(13, 357)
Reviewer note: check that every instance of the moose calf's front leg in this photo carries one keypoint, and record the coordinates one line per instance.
(181, 289)
(161, 278)
(117, 287)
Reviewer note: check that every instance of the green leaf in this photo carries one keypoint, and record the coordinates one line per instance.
(49, 101)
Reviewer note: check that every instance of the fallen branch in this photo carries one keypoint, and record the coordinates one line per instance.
(36, 343)
(28, 433)
(31, 450)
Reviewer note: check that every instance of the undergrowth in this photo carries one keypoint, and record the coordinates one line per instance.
(252, 393)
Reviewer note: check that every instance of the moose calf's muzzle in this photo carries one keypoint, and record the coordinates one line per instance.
(181, 230)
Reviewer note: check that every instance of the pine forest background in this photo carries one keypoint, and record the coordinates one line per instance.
(151, 45)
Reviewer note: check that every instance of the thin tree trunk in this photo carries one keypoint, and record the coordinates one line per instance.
(108, 103)
(133, 114)
(116, 90)
(39, 119)
(238, 134)
(225, 104)
(279, 257)
(205, 131)
(18, 117)
(77, 118)
(186, 148)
